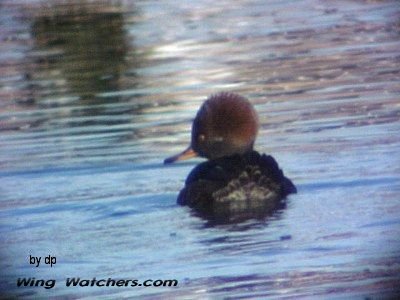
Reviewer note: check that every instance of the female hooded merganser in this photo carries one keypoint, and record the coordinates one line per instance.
(236, 182)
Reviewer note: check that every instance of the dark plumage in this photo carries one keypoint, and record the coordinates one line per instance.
(236, 188)
(236, 183)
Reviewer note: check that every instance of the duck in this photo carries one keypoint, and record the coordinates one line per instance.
(236, 182)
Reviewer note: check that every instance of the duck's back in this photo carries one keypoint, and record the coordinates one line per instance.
(236, 187)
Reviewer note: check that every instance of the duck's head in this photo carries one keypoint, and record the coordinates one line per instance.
(226, 124)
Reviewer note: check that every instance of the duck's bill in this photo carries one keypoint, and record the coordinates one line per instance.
(188, 153)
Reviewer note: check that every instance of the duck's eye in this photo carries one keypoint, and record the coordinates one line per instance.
(202, 138)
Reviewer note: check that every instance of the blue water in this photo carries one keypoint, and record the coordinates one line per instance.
(94, 96)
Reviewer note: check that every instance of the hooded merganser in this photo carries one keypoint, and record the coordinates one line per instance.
(236, 182)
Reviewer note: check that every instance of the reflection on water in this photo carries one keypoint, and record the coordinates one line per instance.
(81, 55)
(86, 49)
(95, 94)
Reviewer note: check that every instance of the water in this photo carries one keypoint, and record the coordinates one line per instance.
(94, 95)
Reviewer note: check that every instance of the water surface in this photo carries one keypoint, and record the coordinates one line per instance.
(94, 95)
